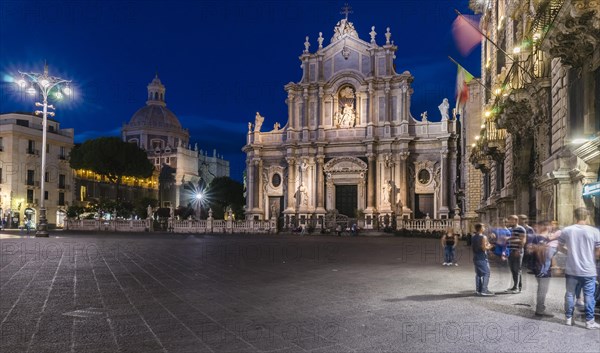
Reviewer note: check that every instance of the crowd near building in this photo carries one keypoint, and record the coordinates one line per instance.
(350, 142)
(154, 128)
(536, 143)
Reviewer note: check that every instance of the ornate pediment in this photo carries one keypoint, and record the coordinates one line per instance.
(342, 28)
(345, 165)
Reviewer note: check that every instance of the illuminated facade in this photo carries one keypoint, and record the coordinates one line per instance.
(20, 169)
(90, 185)
(350, 142)
(539, 151)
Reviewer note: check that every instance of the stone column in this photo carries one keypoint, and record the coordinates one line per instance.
(250, 184)
(371, 193)
(452, 181)
(261, 189)
(404, 182)
(256, 183)
(291, 186)
(319, 183)
(444, 183)
(305, 115)
(290, 103)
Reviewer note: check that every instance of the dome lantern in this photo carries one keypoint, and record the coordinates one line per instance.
(156, 92)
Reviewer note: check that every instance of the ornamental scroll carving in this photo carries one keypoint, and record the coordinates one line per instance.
(516, 116)
(577, 34)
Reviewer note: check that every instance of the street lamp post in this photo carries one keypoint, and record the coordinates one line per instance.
(199, 197)
(45, 84)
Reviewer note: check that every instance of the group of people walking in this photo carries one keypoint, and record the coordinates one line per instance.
(516, 243)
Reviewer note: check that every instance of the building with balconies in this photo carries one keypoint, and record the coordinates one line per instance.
(539, 148)
(20, 169)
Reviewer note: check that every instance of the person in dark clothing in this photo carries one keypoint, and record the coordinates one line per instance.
(516, 244)
(449, 241)
(480, 246)
(529, 258)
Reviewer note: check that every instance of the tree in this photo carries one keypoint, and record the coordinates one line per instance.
(112, 158)
(224, 192)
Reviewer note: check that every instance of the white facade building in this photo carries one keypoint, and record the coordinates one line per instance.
(350, 142)
(20, 169)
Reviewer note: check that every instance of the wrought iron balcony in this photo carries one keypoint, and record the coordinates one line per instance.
(479, 158)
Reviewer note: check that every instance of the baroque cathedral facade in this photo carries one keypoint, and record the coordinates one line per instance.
(350, 142)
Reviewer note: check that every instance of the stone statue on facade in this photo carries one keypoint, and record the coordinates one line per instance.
(388, 35)
(387, 190)
(306, 45)
(424, 116)
(399, 204)
(149, 211)
(249, 127)
(444, 109)
(258, 121)
(273, 210)
(346, 118)
(320, 40)
(302, 195)
(373, 34)
(276, 126)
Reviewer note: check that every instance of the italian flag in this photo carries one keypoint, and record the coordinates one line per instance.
(463, 77)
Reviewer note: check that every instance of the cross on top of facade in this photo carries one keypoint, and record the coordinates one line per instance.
(346, 10)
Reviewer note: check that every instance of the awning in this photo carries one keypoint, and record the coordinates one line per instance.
(591, 189)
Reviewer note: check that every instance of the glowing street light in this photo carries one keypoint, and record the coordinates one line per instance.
(199, 198)
(45, 83)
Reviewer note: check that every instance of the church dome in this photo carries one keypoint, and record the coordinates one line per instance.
(154, 115)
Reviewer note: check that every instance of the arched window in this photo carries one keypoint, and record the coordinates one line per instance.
(156, 96)
(162, 97)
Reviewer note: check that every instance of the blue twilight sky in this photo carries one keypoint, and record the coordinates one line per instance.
(221, 61)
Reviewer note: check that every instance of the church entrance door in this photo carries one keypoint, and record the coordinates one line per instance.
(423, 205)
(346, 199)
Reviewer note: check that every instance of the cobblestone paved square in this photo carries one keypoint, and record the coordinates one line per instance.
(186, 293)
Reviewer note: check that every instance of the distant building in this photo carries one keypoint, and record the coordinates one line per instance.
(20, 169)
(157, 130)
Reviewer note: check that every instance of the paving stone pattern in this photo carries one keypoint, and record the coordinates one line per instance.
(186, 293)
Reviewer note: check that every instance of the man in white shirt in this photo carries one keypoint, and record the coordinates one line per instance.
(581, 243)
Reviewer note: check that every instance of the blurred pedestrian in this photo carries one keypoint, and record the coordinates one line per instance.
(581, 243)
(501, 233)
(550, 250)
(528, 256)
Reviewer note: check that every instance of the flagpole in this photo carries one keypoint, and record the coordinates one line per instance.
(475, 79)
(491, 41)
